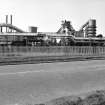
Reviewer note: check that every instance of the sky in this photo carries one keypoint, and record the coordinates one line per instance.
(48, 14)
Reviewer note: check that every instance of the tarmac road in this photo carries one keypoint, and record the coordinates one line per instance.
(36, 83)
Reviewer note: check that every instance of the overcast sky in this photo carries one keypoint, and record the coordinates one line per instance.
(48, 14)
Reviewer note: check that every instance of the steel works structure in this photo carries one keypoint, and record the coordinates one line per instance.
(65, 43)
(65, 36)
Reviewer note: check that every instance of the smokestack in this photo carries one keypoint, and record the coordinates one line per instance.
(11, 19)
(6, 22)
(6, 19)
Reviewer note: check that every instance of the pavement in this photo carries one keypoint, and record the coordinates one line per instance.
(37, 83)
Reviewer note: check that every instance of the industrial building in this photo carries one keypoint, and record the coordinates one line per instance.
(65, 36)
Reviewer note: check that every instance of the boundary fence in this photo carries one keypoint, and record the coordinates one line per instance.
(52, 50)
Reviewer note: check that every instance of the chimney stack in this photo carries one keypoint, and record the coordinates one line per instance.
(11, 19)
(6, 22)
(6, 19)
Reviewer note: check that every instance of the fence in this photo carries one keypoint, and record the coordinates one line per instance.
(52, 51)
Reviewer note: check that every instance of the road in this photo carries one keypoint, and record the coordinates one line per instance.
(36, 83)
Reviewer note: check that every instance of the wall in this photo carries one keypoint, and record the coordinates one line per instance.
(68, 51)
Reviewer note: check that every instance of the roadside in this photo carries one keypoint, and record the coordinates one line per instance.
(14, 60)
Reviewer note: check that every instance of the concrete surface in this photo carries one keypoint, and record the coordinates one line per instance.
(36, 83)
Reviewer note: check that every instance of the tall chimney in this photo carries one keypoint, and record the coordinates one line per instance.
(11, 19)
(6, 19)
(6, 22)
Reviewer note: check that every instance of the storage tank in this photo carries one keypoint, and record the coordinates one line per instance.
(91, 29)
(33, 29)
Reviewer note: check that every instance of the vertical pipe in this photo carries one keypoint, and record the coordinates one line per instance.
(6, 22)
(1, 30)
(6, 19)
(11, 19)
